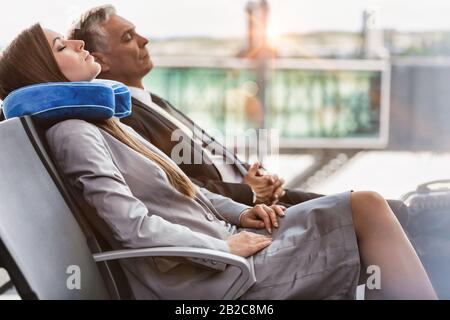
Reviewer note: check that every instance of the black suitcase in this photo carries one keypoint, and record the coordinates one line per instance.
(429, 230)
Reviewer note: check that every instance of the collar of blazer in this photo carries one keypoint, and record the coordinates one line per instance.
(170, 126)
(206, 138)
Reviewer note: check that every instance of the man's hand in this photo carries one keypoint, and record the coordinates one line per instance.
(268, 188)
(262, 216)
(246, 243)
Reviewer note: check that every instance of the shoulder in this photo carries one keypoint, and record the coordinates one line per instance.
(160, 101)
(78, 131)
(72, 126)
(142, 117)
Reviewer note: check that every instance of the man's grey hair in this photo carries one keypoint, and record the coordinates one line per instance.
(89, 28)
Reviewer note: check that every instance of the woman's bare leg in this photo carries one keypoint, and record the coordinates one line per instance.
(383, 243)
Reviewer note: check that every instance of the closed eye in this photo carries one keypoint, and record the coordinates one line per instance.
(60, 42)
(127, 36)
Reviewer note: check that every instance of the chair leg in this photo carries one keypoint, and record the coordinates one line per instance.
(5, 287)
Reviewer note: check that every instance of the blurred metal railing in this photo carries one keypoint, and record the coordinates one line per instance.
(314, 103)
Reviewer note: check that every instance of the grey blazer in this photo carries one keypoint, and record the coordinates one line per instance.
(134, 197)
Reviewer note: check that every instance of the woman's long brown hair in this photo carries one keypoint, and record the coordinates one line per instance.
(29, 60)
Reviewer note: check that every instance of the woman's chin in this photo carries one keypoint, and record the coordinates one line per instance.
(97, 70)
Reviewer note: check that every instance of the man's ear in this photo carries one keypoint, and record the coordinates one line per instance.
(102, 59)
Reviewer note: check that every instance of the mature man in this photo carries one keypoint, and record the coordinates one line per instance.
(123, 56)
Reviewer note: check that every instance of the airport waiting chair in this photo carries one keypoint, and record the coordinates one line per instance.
(46, 236)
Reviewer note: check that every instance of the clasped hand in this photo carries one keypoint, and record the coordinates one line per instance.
(246, 243)
(268, 188)
(262, 216)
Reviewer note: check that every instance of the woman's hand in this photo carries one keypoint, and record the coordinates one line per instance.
(246, 243)
(261, 216)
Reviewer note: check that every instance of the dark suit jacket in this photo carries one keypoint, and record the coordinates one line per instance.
(158, 130)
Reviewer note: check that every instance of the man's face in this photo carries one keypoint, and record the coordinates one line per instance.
(127, 56)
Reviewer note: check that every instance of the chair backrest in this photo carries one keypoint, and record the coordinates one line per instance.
(42, 245)
(97, 232)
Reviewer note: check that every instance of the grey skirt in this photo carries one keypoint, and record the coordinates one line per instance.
(313, 255)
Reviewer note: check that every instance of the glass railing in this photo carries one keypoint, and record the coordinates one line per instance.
(312, 103)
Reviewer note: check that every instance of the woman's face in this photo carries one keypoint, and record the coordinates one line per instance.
(74, 62)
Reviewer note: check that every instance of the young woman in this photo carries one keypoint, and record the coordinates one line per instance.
(319, 249)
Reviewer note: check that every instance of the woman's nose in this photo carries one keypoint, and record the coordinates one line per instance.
(78, 44)
(81, 45)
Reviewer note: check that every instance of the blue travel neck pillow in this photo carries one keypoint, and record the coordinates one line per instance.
(96, 100)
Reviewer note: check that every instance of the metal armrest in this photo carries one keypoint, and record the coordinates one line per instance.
(242, 284)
